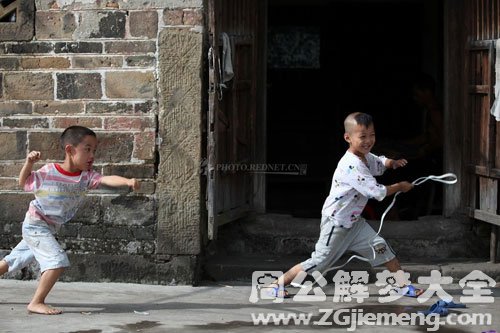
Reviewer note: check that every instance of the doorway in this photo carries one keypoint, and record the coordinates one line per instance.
(327, 59)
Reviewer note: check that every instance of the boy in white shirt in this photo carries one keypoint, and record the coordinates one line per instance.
(342, 227)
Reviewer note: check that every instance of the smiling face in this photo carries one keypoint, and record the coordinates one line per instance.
(82, 155)
(361, 139)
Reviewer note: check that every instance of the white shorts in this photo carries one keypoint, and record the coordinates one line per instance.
(39, 243)
(335, 241)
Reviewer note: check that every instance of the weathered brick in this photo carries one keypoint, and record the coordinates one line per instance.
(29, 47)
(97, 62)
(28, 86)
(13, 108)
(58, 108)
(13, 206)
(128, 210)
(9, 184)
(26, 122)
(90, 211)
(54, 25)
(72, 5)
(126, 47)
(172, 16)
(47, 143)
(114, 147)
(69, 230)
(145, 145)
(78, 47)
(192, 17)
(146, 107)
(122, 4)
(130, 85)
(130, 170)
(13, 145)
(10, 238)
(92, 231)
(144, 233)
(128, 123)
(101, 24)
(1, 85)
(117, 233)
(9, 63)
(11, 227)
(115, 107)
(79, 85)
(147, 187)
(90, 122)
(10, 169)
(140, 61)
(143, 24)
(45, 62)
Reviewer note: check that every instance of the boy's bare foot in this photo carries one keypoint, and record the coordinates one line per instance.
(42, 308)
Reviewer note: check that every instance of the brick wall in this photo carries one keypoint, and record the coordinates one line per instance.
(93, 64)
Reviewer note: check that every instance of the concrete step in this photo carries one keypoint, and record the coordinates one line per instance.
(283, 235)
(240, 268)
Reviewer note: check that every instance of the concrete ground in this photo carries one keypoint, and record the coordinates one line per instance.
(217, 307)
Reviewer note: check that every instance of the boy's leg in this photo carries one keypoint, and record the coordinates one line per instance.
(331, 245)
(374, 247)
(394, 266)
(52, 259)
(288, 277)
(3, 267)
(47, 281)
(20, 257)
(278, 286)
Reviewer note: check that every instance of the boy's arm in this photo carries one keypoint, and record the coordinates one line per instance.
(394, 164)
(31, 159)
(398, 187)
(116, 181)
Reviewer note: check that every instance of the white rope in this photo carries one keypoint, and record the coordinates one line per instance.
(447, 178)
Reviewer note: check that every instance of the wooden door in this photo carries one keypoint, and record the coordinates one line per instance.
(232, 111)
(484, 129)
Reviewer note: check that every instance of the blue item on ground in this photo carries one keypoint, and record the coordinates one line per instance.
(435, 309)
(450, 304)
(410, 291)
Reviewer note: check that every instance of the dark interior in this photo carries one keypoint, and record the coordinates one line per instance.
(327, 59)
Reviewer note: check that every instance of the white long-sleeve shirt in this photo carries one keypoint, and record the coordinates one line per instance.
(353, 184)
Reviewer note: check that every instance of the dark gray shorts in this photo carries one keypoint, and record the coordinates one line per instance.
(335, 241)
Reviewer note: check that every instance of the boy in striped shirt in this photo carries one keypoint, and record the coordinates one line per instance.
(59, 190)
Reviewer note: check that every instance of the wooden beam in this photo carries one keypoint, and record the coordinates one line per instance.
(4, 11)
(231, 215)
(483, 89)
(487, 217)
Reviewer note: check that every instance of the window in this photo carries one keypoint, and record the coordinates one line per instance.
(17, 20)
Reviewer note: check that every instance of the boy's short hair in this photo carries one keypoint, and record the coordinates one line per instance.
(357, 118)
(363, 119)
(73, 135)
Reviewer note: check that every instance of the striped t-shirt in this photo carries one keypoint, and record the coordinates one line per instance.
(58, 193)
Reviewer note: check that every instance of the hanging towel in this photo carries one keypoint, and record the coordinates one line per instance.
(227, 59)
(495, 108)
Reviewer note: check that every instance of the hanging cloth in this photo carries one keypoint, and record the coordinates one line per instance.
(495, 108)
(227, 59)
